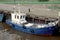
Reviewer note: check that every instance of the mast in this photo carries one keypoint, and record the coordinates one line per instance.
(16, 9)
(19, 8)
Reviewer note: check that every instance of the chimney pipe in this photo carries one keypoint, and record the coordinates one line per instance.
(29, 9)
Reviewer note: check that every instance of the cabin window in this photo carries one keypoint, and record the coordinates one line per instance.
(17, 17)
(20, 17)
(24, 16)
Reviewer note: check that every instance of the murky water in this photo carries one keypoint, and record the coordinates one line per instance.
(25, 36)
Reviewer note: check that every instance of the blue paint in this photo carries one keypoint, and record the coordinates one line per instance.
(38, 31)
(1, 17)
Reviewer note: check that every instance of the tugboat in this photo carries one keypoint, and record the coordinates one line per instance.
(18, 21)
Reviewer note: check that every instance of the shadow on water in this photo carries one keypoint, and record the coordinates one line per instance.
(25, 36)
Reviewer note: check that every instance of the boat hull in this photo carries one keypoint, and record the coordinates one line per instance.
(37, 31)
(1, 17)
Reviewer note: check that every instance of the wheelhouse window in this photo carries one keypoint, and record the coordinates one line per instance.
(17, 17)
(23, 16)
(20, 17)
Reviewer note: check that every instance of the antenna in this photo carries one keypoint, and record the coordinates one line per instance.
(14, 2)
(19, 7)
(14, 6)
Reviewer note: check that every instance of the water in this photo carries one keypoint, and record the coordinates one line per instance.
(17, 35)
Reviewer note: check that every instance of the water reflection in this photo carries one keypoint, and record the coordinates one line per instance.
(25, 36)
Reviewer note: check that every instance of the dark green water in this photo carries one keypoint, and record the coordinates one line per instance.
(25, 36)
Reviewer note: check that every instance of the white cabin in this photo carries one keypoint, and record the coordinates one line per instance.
(18, 17)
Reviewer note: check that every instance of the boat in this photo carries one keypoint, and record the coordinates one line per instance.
(18, 21)
(1, 16)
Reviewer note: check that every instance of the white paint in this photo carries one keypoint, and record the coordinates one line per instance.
(20, 17)
(59, 14)
(42, 26)
(16, 20)
(29, 24)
